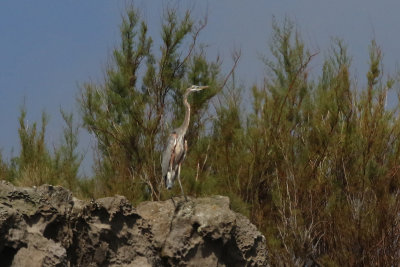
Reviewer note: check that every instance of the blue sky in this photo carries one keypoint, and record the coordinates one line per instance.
(49, 47)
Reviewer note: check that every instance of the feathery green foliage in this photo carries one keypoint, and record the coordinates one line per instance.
(67, 160)
(35, 164)
(129, 113)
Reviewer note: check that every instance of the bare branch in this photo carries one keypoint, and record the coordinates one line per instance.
(202, 25)
(236, 56)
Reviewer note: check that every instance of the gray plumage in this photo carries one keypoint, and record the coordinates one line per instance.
(176, 146)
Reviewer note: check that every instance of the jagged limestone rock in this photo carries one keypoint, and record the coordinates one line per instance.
(47, 226)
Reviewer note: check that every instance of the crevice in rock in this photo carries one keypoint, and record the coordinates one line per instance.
(195, 227)
(119, 220)
(7, 254)
(80, 244)
(232, 252)
(54, 229)
(100, 212)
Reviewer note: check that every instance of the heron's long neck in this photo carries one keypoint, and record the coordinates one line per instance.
(185, 124)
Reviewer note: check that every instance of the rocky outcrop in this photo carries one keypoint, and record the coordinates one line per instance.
(47, 226)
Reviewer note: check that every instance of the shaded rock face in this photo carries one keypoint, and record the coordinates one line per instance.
(46, 226)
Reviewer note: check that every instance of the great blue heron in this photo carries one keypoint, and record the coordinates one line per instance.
(176, 148)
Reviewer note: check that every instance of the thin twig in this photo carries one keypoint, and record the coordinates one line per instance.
(302, 67)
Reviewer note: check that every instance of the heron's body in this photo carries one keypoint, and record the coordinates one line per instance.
(176, 147)
(173, 157)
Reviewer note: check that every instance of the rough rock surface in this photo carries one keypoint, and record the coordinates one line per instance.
(47, 226)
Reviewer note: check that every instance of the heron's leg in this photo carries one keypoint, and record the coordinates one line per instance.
(171, 161)
(185, 149)
(179, 180)
(170, 171)
(173, 202)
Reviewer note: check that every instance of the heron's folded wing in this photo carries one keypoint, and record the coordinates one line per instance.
(168, 151)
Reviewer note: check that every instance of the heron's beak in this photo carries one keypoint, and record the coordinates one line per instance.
(199, 88)
(196, 88)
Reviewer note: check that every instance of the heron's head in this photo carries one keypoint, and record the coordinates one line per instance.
(196, 88)
(169, 180)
